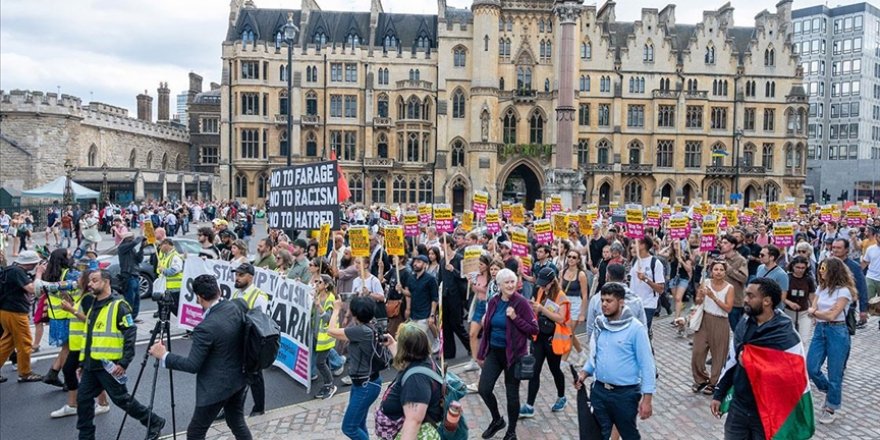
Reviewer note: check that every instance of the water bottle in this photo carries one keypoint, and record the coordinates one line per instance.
(109, 366)
(453, 415)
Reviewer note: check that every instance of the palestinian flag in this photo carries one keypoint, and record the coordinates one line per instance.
(778, 376)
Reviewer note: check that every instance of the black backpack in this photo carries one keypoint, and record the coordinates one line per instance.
(262, 339)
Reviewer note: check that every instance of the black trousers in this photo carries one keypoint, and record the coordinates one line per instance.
(453, 325)
(69, 370)
(90, 385)
(743, 425)
(542, 349)
(258, 389)
(233, 408)
(495, 364)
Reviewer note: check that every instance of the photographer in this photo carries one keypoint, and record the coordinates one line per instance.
(216, 359)
(18, 292)
(366, 383)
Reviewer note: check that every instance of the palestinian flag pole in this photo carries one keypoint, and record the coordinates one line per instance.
(778, 376)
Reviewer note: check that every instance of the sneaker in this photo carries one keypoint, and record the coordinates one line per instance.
(472, 388)
(494, 427)
(155, 429)
(560, 404)
(862, 324)
(327, 392)
(827, 417)
(315, 376)
(339, 371)
(101, 409)
(526, 411)
(346, 380)
(471, 366)
(510, 435)
(65, 411)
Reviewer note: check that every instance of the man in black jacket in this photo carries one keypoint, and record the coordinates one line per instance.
(131, 255)
(216, 359)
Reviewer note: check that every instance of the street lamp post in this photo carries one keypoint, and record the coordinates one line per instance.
(68, 187)
(105, 189)
(290, 30)
(738, 134)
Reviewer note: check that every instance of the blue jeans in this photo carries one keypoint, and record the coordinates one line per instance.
(831, 342)
(132, 296)
(335, 362)
(618, 407)
(649, 314)
(354, 422)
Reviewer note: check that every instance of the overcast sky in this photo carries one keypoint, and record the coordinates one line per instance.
(111, 50)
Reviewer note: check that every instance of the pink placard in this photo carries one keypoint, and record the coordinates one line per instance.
(707, 243)
(635, 230)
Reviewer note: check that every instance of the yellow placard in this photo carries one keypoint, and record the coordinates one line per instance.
(614, 205)
(710, 225)
(149, 232)
(653, 213)
(394, 240)
(774, 211)
(525, 267)
(678, 222)
(542, 227)
(359, 238)
(666, 210)
(467, 221)
(410, 219)
(664, 201)
(442, 212)
(733, 217)
(560, 225)
(634, 215)
(556, 201)
(492, 216)
(783, 229)
(505, 207)
(517, 214)
(519, 236)
(323, 239)
(539, 209)
(677, 207)
(425, 209)
(481, 197)
(585, 224)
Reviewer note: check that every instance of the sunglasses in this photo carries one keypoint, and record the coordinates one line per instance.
(574, 257)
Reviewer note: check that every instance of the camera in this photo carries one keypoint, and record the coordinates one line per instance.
(167, 302)
(382, 330)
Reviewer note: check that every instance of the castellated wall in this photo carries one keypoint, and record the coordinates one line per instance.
(38, 131)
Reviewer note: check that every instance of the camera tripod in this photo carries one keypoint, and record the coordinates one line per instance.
(161, 332)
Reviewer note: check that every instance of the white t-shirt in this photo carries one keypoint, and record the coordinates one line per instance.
(642, 289)
(710, 306)
(825, 302)
(872, 257)
(372, 284)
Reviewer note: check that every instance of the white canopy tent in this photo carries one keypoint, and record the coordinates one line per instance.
(55, 190)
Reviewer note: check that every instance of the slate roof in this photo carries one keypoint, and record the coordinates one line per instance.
(210, 97)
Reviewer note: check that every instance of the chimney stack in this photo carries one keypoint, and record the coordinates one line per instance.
(215, 86)
(164, 102)
(145, 107)
(195, 86)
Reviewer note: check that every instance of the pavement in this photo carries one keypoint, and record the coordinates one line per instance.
(678, 413)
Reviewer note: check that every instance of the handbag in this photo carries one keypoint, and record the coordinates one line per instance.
(392, 307)
(695, 317)
(524, 369)
(159, 285)
(386, 428)
(851, 321)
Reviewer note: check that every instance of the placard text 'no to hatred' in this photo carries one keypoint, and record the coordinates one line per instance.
(304, 196)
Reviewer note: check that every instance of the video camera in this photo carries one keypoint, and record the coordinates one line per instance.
(382, 330)
(166, 302)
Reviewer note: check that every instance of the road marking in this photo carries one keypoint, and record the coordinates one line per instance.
(53, 355)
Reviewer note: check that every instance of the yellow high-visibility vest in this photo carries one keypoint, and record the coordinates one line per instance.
(55, 310)
(173, 282)
(325, 341)
(107, 339)
(77, 340)
(251, 294)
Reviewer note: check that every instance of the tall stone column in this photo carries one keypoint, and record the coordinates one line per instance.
(563, 179)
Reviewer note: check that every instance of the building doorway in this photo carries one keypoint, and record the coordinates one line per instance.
(686, 194)
(458, 193)
(666, 192)
(604, 195)
(750, 195)
(522, 186)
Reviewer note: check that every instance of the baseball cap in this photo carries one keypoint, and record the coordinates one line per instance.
(545, 277)
(423, 258)
(27, 257)
(505, 244)
(300, 243)
(245, 268)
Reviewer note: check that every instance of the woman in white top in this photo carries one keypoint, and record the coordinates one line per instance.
(366, 284)
(715, 296)
(239, 252)
(831, 340)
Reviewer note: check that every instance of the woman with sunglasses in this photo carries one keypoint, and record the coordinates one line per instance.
(831, 340)
(575, 284)
(800, 297)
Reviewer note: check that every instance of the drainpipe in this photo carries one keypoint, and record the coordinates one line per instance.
(229, 134)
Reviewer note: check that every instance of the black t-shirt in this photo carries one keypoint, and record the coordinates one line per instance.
(419, 388)
(13, 297)
(360, 350)
(596, 247)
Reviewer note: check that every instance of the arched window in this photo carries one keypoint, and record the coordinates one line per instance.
(311, 103)
(399, 189)
(501, 83)
(585, 83)
(178, 162)
(426, 189)
(509, 127)
(320, 38)
(789, 157)
(457, 154)
(93, 156)
(524, 78)
(536, 128)
(412, 147)
(458, 104)
(241, 185)
(262, 186)
(459, 57)
(717, 193)
(149, 159)
(710, 55)
(648, 53)
(665, 151)
(379, 188)
(632, 192)
(414, 108)
(791, 121)
(164, 161)
(283, 143)
(283, 105)
(749, 155)
(799, 158)
(356, 186)
(353, 40)
(282, 72)
(311, 144)
(719, 152)
(771, 192)
(382, 146)
(247, 36)
(509, 24)
(769, 57)
(603, 152)
(382, 106)
(767, 157)
(390, 42)
(635, 153)
(541, 25)
(586, 50)
(132, 158)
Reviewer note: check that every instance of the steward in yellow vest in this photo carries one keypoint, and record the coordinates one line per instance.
(110, 335)
(170, 265)
(58, 282)
(322, 312)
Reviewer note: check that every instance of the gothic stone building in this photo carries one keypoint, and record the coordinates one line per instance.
(495, 97)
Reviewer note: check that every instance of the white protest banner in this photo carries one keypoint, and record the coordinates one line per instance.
(290, 305)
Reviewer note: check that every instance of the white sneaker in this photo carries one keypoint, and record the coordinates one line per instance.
(827, 417)
(101, 409)
(471, 366)
(472, 388)
(346, 380)
(65, 411)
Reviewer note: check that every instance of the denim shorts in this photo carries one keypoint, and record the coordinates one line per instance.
(479, 311)
(679, 282)
(59, 332)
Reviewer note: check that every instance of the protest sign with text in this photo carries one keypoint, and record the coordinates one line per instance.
(304, 196)
(443, 218)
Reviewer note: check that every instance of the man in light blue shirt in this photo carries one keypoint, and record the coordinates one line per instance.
(615, 273)
(769, 268)
(623, 365)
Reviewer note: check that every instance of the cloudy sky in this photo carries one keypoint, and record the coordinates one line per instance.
(111, 50)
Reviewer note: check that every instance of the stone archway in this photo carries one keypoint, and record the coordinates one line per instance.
(604, 195)
(521, 182)
(751, 194)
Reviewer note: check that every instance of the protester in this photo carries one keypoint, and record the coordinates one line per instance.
(209, 250)
(715, 297)
(454, 298)
(575, 284)
(322, 311)
(769, 268)
(239, 253)
(254, 298)
(57, 277)
(737, 275)
(265, 259)
(801, 296)
(647, 279)
(18, 289)
(479, 284)
(508, 325)
(616, 273)
(131, 254)
(621, 361)
(300, 269)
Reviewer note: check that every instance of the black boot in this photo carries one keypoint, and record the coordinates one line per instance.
(51, 378)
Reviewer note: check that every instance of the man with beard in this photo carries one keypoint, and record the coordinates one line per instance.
(737, 275)
(255, 299)
(621, 361)
(300, 269)
(763, 327)
(225, 246)
(265, 259)
(420, 291)
(209, 251)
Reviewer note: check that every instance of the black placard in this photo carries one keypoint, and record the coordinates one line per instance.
(304, 196)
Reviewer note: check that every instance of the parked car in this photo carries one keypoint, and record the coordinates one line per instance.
(146, 271)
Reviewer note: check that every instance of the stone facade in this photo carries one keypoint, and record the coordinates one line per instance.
(39, 132)
(469, 100)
